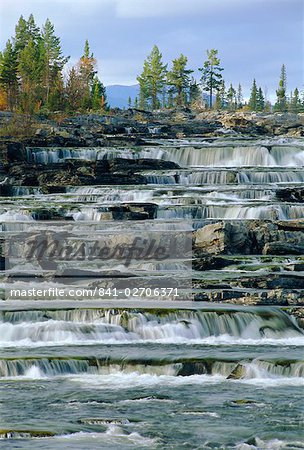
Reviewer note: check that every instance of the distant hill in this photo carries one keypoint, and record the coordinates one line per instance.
(117, 95)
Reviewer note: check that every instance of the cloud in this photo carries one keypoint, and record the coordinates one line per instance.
(183, 8)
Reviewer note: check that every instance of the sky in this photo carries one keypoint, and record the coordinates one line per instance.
(253, 37)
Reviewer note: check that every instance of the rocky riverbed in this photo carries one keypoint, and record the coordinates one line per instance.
(239, 185)
(92, 364)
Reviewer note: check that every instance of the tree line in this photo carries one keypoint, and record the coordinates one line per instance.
(161, 87)
(32, 79)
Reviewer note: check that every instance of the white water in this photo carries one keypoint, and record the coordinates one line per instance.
(82, 327)
(235, 211)
(212, 156)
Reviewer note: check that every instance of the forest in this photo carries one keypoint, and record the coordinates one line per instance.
(35, 77)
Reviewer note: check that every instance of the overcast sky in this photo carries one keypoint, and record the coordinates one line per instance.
(254, 37)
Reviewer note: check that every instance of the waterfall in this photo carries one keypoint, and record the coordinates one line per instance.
(270, 177)
(83, 326)
(273, 212)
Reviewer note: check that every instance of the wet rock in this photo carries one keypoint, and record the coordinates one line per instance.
(282, 248)
(238, 373)
(134, 211)
(290, 195)
(211, 238)
(24, 434)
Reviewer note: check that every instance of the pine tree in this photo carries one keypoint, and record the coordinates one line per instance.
(136, 103)
(281, 103)
(152, 79)
(253, 97)
(239, 96)
(178, 78)
(54, 61)
(231, 97)
(211, 73)
(8, 74)
(129, 102)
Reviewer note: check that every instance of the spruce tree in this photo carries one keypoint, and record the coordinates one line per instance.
(221, 96)
(239, 96)
(281, 103)
(178, 78)
(25, 31)
(53, 59)
(295, 102)
(253, 97)
(99, 97)
(30, 69)
(152, 80)
(260, 100)
(73, 90)
(231, 97)
(86, 73)
(8, 74)
(129, 102)
(211, 73)
(194, 91)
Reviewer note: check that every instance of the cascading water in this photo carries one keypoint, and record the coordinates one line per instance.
(141, 372)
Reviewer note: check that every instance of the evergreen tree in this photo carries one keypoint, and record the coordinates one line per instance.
(239, 96)
(136, 103)
(25, 31)
(211, 73)
(260, 100)
(221, 96)
(253, 97)
(57, 99)
(54, 61)
(281, 103)
(30, 69)
(8, 74)
(129, 102)
(178, 80)
(152, 79)
(86, 72)
(144, 87)
(194, 91)
(231, 97)
(73, 90)
(99, 97)
(29, 53)
(295, 102)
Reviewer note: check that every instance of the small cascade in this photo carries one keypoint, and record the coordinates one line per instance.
(271, 176)
(44, 367)
(271, 212)
(35, 368)
(155, 178)
(110, 195)
(202, 177)
(15, 216)
(265, 369)
(82, 326)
